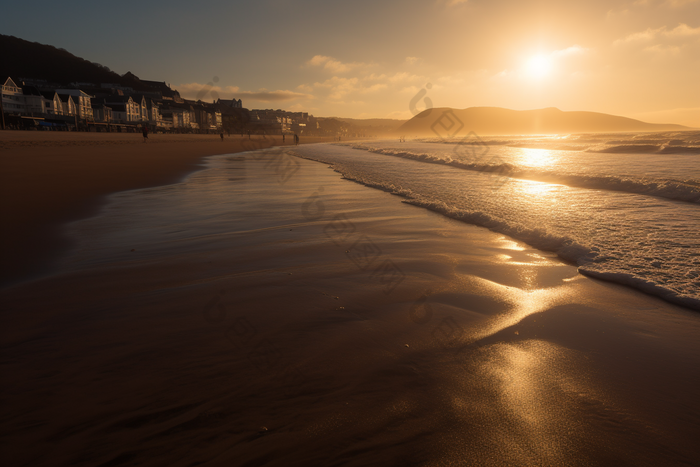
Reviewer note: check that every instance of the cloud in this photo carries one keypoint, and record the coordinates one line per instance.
(663, 42)
(338, 87)
(678, 3)
(679, 32)
(647, 35)
(663, 49)
(333, 65)
(411, 90)
(628, 8)
(375, 88)
(274, 96)
(411, 60)
(683, 30)
(198, 87)
(208, 92)
(305, 88)
(352, 89)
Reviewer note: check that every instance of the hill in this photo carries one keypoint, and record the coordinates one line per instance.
(25, 59)
(496, 120)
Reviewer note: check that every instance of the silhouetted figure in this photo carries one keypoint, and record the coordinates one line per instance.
(296, 139)
(222, 136)
(144, 130)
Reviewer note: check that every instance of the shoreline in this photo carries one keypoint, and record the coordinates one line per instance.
(637, 284)
(191, 316)
(49, 179)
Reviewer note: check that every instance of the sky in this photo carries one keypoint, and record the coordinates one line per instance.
(389, 59)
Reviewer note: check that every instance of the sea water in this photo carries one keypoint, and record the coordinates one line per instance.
(623, 207)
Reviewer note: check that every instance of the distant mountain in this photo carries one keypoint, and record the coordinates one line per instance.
(31, 60)
(499, 121)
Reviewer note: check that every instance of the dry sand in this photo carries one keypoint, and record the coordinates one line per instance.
(249, 327)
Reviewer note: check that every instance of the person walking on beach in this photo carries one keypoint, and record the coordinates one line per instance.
(144, 130)
(296, 139)
(222, 136)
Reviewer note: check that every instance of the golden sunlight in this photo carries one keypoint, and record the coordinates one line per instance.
(538, 67)
(532, 157)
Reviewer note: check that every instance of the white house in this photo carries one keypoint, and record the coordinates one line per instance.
(143, 108)
(68, 104)
(233, 103)
(34, 103)
(179, 118)
(82, 102)
(102, 112)
(52, 103)
(12, 98)
(152, 112)
(124, 109)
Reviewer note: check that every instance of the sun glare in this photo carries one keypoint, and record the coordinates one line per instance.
(538, 66)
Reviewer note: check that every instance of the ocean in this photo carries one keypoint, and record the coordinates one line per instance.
(623, 207)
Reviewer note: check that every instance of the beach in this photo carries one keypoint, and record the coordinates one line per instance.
(49, 178)
(265, 310)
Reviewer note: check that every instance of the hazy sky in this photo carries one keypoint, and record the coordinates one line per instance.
(370, 58)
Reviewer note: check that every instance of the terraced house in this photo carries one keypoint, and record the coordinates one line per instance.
(83, 102)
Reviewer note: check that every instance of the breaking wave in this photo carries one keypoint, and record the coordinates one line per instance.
(590, 260)
(679, 190)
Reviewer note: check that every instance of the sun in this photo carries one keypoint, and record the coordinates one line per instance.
(538, 66)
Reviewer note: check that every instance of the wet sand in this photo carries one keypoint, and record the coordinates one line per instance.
(266, 313)
(49, 178)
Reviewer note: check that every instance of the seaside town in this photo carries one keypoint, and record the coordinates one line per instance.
(110, 107)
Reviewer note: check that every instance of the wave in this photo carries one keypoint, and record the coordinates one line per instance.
(643, 285)
(588, 259)
(679, 190)
(679, 150)
(645, 149)
(593, 145)
(566, 249)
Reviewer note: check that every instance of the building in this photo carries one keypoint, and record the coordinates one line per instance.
(163, 90)
(34, 103)
(140, 100)
(82, 102)
(204, 115)
(52, 103)
(153, 113)
(231, 103)
(102, 112)
(124, 108)
(149, 109)
(117, 87)
(271, 121)
(12, 98)
(177, 117)
(68, 104)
